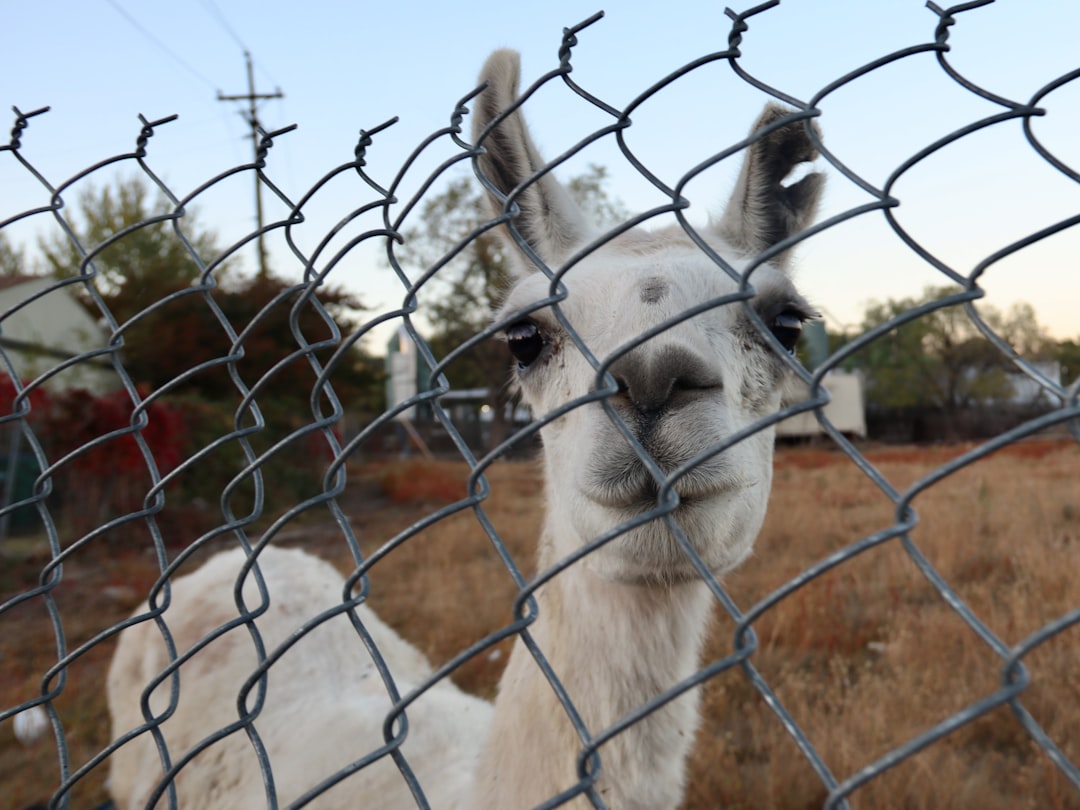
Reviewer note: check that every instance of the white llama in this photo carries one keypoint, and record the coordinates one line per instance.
(618, 627)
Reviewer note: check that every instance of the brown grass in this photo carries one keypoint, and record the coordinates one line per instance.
(865, 657)
(869, 655)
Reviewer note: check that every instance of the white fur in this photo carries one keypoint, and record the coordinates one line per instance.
(619, 627)
(325, 702)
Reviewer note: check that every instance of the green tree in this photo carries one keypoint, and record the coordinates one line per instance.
(460, 299)
(941, 360)
(12, 259)
(1067, 352)
(162, 341)
(142, 266)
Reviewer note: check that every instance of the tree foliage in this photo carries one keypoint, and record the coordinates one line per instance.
(941, 360)
(138, 262)
(12, 259)
(135, 269)
(1067, 352)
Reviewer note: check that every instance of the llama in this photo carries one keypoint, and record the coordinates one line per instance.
(620, 625)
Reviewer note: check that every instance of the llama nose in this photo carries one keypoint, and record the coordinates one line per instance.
(654, 379)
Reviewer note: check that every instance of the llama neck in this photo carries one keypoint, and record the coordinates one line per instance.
(613, 646)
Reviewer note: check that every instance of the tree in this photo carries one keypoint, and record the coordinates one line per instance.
(12, 259)
(141, 267)
(462, 296)
(1067, 352)
(941, 360)
(163, 341)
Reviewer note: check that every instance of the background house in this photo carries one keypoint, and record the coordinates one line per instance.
(42, 327)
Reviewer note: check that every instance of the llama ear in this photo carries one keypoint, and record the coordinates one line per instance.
(549, 220)
(762, 211)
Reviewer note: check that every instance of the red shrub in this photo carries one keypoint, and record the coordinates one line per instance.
(78, 421)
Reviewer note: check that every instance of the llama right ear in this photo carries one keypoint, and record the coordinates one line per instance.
(762, 211)
(549, 220)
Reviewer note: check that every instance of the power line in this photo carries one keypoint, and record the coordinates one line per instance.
(157, 42)
(215, 12)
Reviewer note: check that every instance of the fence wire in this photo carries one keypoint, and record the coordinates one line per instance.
(255, 520)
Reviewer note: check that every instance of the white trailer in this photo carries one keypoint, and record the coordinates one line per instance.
(846, 408)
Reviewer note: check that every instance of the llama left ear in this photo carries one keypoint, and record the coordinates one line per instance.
(762, 211)
(549, 221)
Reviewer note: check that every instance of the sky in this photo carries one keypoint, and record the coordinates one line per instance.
(342, 67)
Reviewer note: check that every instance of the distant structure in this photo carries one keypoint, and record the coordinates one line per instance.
(405, 376)
(846, 409)
(45, 328)
(48, 326)
(1026, 392)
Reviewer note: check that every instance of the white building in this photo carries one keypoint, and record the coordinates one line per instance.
(43, 327)
(1027, 392)
(846, 409)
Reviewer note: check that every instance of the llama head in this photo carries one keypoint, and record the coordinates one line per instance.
(685, 389)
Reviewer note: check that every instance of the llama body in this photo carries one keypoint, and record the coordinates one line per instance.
(621, 625)
(325, 703)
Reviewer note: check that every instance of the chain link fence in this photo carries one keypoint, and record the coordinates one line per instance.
(245, 457)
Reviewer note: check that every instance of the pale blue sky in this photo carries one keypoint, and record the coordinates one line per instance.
(344, 66)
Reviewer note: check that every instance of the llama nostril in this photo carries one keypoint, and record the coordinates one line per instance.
(696, 382)
(651, 380)
(622, 388)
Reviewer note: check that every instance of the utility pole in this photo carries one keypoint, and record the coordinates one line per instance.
(251, 117)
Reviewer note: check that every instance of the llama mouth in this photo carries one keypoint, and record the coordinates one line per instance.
(637, 492)
(649, 499)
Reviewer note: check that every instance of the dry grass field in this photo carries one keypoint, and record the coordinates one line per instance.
(865, 657)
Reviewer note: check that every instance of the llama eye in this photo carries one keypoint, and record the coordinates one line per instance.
(787, 326)
(525, 342)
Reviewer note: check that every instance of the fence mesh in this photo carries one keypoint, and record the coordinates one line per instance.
(258, 443)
